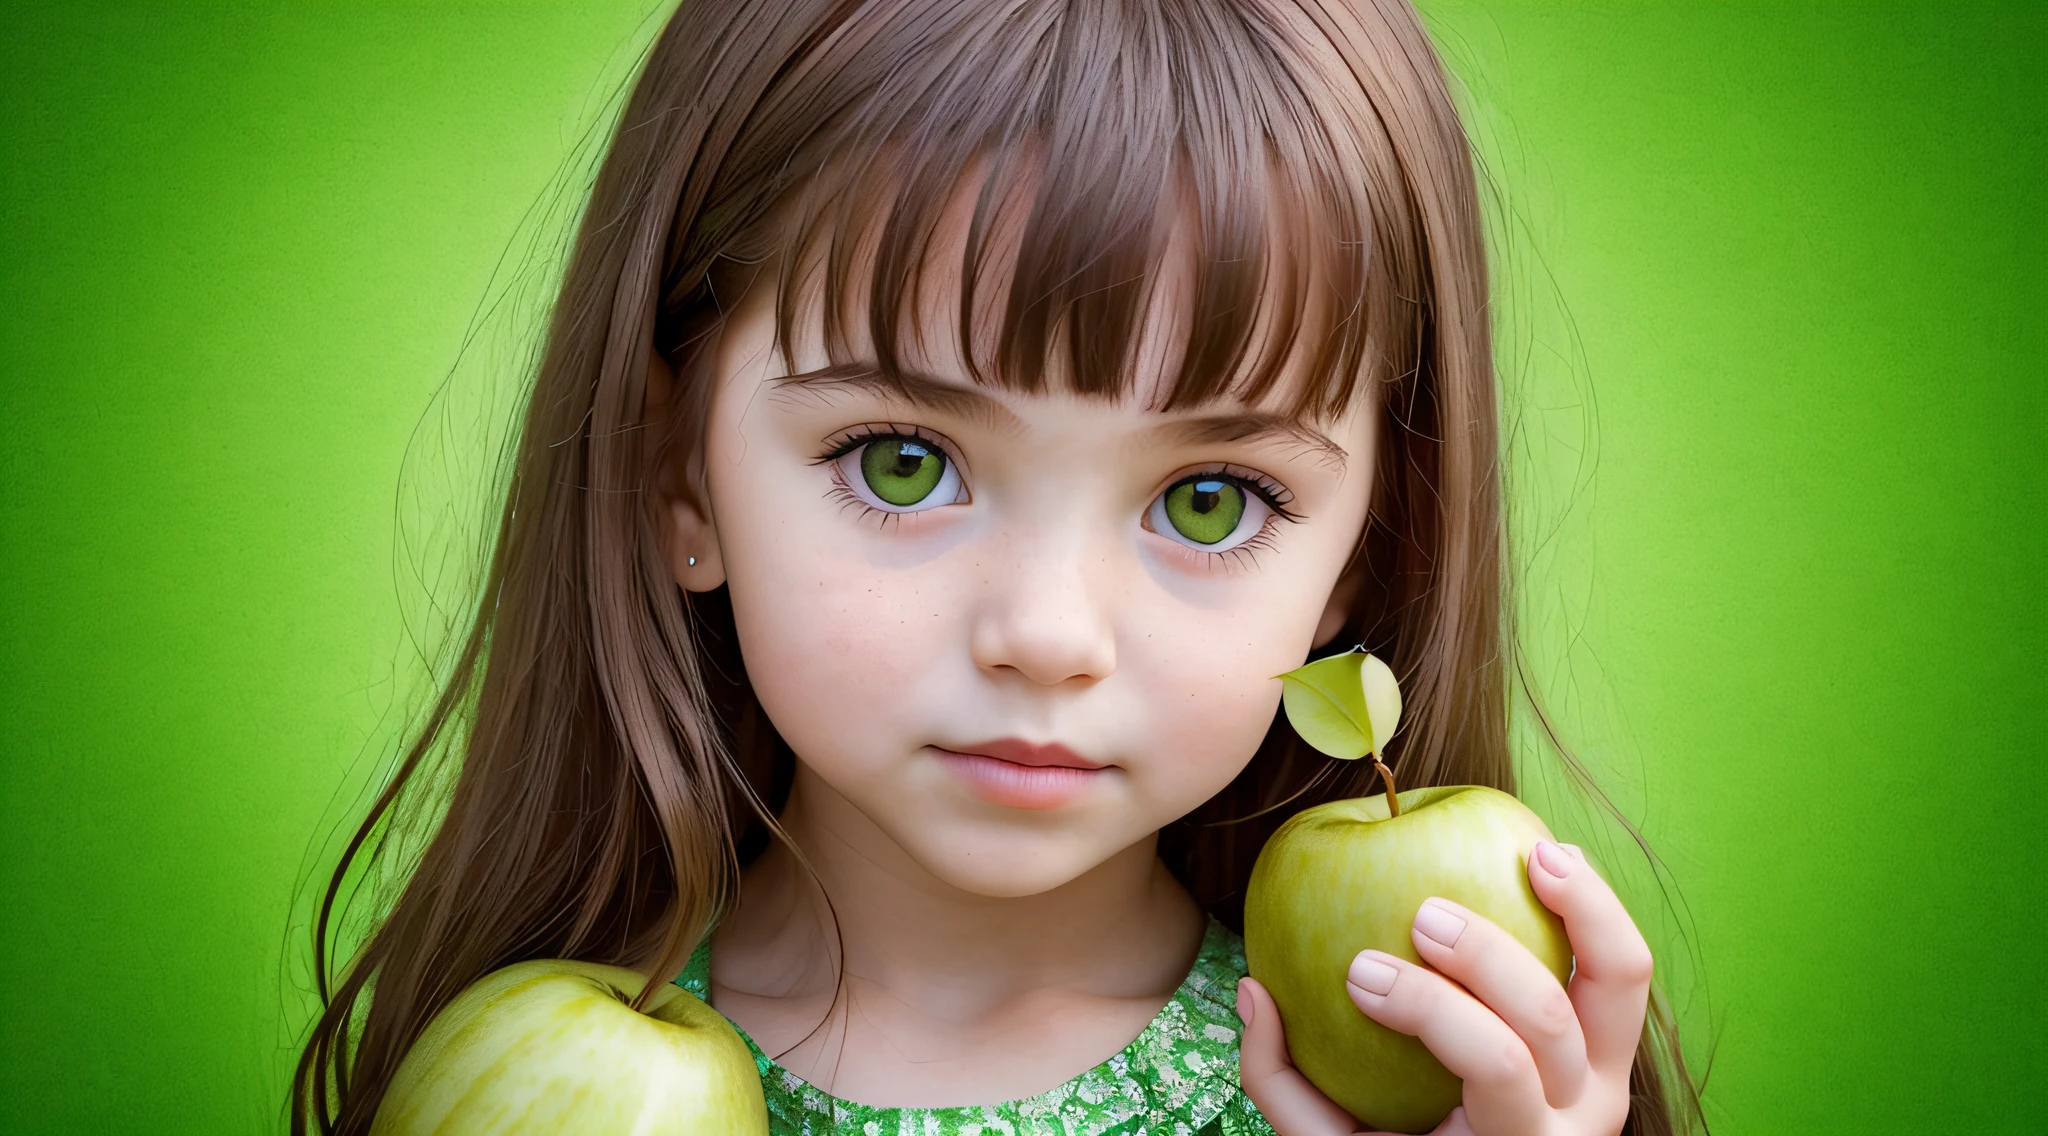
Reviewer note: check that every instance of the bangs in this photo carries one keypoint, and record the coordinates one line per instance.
(1221, 150)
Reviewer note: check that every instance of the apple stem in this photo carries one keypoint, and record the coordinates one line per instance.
(1387, 779)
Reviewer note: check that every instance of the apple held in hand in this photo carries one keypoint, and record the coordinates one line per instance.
(553, 1046)
(1349, 875)
(1344, 876)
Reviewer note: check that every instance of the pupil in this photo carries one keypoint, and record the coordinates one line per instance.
(909, 459)
(1207, 495)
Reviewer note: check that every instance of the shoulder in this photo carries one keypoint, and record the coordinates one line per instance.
(555, 1046)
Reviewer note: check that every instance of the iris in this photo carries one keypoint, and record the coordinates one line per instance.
(1205, 510)
(900, 471)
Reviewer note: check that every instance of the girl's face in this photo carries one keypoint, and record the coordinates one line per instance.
(1018, 633)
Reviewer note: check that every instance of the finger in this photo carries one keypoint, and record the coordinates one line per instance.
(1502, 973)
(1503, 1092)
(1611, 983)
(1292, 1105)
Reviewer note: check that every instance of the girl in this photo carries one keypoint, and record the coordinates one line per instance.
(955, 412)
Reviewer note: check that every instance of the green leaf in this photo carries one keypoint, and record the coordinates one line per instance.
(1382, 700)
(1346, 706)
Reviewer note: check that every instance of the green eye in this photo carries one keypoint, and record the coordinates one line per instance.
(901, 471)
(1205, 510)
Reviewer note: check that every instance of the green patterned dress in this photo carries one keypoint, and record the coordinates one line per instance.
(1178, 1078)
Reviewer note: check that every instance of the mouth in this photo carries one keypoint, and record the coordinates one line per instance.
(1020, 775)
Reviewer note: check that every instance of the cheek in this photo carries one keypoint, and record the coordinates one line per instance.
(836, 661)
(841, 653)
(1205, 666)
(1209, 699)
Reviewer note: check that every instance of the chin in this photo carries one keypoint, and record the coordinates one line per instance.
(965, 855)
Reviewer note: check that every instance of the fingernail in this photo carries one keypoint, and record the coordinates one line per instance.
(1371, 975)
(1244, 1004)
(1554, 859)
(1439, 924)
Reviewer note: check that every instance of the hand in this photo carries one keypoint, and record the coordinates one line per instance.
(1536, 1060)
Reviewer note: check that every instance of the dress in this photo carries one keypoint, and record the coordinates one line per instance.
(1177, 1078)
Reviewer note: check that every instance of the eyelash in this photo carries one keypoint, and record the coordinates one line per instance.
(854, 437)
(1276, 496)
(1243, 554)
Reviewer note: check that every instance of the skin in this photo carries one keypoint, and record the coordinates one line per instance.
(990, 950)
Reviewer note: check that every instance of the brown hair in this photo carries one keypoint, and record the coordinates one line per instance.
(614, 769)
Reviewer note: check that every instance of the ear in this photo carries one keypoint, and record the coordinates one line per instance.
(682, 505)
(1343, 601)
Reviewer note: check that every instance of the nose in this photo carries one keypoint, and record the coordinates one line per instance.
(1044, 615)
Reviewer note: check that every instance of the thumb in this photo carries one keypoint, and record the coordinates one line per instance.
(1289, 1103)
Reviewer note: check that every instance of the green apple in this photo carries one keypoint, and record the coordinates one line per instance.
(552, 1046)
(1342, 877)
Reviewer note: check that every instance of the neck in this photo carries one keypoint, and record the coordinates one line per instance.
(1124, 928)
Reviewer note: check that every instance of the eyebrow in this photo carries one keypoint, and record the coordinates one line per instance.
(914, 387)
(1256, 426)
(921, 389)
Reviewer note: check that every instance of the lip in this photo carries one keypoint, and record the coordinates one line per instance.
(1019, 752)
(1021, 775)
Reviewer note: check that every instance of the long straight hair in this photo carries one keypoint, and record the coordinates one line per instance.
(596, 770)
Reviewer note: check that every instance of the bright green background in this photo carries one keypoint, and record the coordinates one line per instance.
(1792, 254)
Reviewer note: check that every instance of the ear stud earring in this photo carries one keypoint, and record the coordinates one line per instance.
(693, 562)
